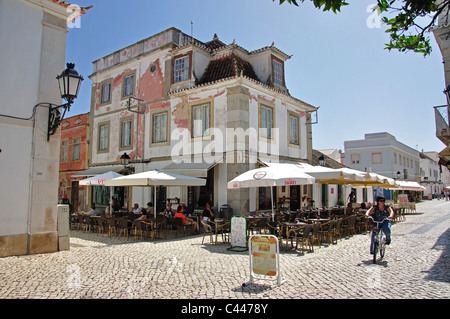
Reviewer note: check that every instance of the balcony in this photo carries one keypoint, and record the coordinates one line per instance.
(442, 123)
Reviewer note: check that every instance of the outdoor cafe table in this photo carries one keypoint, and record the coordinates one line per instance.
(255, 221)
(318, 220)
(288, 226)
(219, 224)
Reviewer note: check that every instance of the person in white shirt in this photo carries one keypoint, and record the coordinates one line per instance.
(136, 209)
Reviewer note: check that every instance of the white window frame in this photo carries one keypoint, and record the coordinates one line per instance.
(103, 137)
(377, 158)
(126, 138)
(181, 69)
(278, 72)
(201, 115)
(128, 85)
(160, 127)
(105, 95)
(76, 149)
(266, 121)
(294, 130)
(64, 151)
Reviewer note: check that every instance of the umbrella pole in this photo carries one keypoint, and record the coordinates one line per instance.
(154, 201)
(271, 197)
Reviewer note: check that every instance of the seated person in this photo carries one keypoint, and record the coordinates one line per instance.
(186, 209)
(136, 209)
(92, 212)
(186, 220)
(208, 212)
(169, 212)
(144, 215)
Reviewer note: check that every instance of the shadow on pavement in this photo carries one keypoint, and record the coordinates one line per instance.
(441, 269)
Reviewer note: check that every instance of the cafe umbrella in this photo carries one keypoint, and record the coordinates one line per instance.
(271, 176)
(99, 180)
(156, 178)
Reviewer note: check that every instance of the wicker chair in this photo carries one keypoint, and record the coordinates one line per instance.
(315, 235)
(326, 231)
(207, 229)
(303, 237)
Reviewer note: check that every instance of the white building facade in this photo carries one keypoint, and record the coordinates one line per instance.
(208, 110)
(381, 153)
(33, 43)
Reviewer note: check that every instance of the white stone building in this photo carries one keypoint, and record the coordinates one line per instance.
(381, 153)
(33, 43)
(203, 109)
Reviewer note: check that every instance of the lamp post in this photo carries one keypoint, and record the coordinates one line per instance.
(69, 85)
(322, 160)
(125, 159)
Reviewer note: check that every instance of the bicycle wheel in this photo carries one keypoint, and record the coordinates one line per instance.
(382, 244)
(375, 251)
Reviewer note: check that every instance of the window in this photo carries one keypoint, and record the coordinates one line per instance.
(395, 158)
(278, 73)
(266, 121)
(106, 93)
(355, 158)
(159, 128)
(181, 69)
(200, 120)
(293, 130)
(128, 85)
(376, 158)
(76, 149)
(64, 150)
(103, 140)
(125, 136)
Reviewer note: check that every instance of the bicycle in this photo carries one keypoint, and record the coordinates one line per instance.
(379, 242)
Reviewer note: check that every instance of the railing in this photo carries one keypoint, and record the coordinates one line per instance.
(442, 123)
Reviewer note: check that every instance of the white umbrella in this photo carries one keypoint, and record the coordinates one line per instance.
(156, 178)
(99, 179)
(409, 185)
(274, 175)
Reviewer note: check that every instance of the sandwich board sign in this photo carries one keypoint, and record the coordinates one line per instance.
(238, 236)
(264, 252)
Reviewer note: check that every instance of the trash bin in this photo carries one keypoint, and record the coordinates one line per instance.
(226, 211)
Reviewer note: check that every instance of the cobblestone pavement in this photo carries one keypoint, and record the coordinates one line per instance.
(416, 265)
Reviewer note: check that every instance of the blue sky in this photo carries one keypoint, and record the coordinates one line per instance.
(338, 63)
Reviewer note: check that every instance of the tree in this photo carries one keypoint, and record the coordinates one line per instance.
(408, 21)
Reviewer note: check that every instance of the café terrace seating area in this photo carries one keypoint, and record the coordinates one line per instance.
(302, 230)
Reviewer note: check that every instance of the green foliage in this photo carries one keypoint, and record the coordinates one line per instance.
(407, 29)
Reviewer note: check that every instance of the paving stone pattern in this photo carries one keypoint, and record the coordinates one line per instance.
(416, 265)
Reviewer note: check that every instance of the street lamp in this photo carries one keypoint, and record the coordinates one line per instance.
(447, 93)
(322, 160)
(69, 85)
(125, 159)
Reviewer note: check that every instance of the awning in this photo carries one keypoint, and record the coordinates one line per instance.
(97, 170)
(409, 186)
(190, 169)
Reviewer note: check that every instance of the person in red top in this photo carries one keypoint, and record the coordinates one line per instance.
(186, 221)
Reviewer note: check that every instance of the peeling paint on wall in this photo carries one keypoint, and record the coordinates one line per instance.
(152, 82)
(180, 113)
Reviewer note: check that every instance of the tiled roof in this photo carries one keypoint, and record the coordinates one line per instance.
(215, 43)
(331, 163)
(65, 4)
(227, 66)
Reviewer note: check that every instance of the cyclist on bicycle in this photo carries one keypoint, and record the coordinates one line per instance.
(381, 211)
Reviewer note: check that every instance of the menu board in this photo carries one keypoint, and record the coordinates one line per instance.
(238, 231)
(264, 255)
